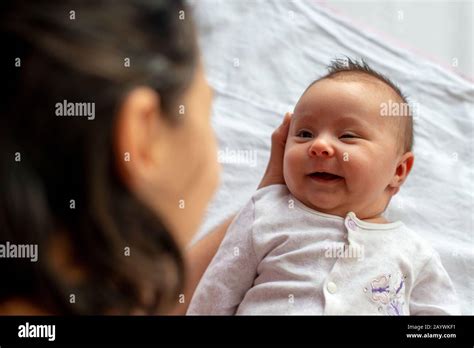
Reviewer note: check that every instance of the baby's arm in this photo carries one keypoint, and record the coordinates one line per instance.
(433, 292)
(231, 272)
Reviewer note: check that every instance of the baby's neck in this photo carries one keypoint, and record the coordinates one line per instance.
(377, 220)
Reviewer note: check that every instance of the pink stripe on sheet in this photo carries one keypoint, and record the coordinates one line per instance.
(390, 39)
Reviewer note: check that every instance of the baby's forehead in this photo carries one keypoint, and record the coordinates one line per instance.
(334, 96)
(370, 84)
(353, 100)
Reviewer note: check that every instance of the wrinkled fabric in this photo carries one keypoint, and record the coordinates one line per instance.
(259, 58)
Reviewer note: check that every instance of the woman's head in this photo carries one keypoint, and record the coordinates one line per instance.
(109, 199)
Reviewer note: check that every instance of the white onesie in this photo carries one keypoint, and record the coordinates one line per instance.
(281, 257)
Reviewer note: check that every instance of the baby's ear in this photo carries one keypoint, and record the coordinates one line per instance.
(404, 166)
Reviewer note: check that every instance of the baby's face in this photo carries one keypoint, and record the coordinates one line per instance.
(337, 129)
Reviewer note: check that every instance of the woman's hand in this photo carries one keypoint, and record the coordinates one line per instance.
(274, 172)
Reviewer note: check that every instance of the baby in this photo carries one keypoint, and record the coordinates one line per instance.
(320, 244)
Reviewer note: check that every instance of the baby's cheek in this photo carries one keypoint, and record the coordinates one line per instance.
(287, 175)
(372, 173)
(291, 167)
(358, 169)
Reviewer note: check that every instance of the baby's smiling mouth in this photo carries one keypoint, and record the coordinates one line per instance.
(325, 177)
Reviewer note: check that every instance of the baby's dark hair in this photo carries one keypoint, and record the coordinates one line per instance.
(347, 67)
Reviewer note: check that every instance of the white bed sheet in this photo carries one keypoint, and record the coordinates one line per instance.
(260, 56)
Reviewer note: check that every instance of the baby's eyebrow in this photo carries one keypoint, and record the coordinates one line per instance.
(338, 120)
(352, 119)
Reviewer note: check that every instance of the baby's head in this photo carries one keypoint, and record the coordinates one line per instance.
(350, 141)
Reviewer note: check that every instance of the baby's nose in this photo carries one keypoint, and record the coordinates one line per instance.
(320, 148)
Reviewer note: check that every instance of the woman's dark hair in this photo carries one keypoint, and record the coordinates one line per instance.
(58, 175)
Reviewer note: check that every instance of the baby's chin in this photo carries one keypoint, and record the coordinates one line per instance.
(322, 202)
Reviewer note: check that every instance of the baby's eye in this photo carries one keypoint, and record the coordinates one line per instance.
(304, 134)
(348, 135)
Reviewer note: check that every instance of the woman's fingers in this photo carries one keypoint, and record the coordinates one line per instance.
(274, 172)
(280, 135)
